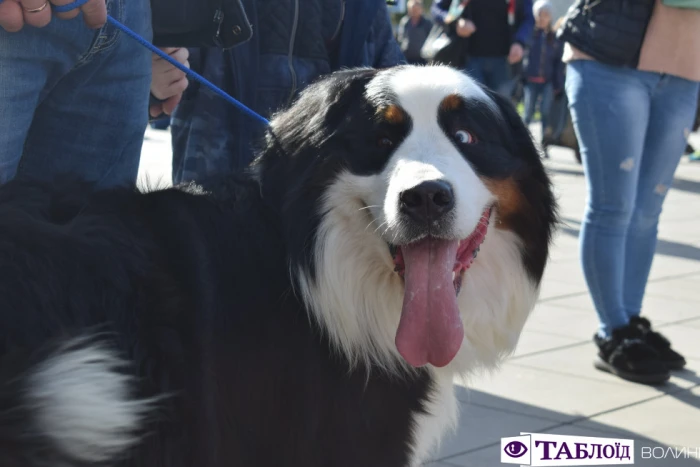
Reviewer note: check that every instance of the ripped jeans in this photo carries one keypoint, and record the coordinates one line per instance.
(631, 128)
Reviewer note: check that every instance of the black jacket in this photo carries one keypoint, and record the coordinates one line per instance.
(611, 31)
(200, 23)
(496, 29)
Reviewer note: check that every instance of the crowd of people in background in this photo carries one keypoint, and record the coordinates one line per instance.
(511, 51)
(630, 104)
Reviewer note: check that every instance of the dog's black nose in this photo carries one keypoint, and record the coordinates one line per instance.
(428, 201)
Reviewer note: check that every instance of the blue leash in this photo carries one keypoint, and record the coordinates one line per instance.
(191, 74)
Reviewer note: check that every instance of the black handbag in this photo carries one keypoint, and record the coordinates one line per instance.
(199, 23)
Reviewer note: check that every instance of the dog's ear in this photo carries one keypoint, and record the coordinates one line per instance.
(522, 142)
(319, 110)
(537, 221)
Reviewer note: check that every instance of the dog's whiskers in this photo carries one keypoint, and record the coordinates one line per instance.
(380, 226)
(372, 222)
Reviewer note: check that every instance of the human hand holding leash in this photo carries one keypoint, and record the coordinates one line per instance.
(15, 14)
(168, 83)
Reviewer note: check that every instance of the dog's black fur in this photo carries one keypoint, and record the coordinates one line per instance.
(193, 290)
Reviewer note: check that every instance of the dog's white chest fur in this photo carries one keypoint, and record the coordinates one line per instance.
(441, 417)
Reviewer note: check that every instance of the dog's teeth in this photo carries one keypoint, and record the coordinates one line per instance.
(453, 276)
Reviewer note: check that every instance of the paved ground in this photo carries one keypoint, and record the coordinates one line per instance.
(549, 384)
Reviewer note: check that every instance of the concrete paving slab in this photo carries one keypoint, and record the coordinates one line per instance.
(673, 420)
(552, 289)
(681, 288)
(553, 392)
(562, 321)
(658, 309)
(539, 342)
(577, 361)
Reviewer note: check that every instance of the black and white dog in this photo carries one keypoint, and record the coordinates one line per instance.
(312, 313)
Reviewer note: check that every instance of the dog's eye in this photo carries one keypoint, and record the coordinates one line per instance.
(464, 137)
(385, 143)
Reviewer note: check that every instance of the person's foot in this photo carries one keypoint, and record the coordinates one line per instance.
(672, 359)
(627, 355)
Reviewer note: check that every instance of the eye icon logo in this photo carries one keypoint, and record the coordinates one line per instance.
(515, 449)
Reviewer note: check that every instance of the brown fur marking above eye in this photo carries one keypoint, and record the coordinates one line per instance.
(510, 199)
(451, 102)
(393, 114)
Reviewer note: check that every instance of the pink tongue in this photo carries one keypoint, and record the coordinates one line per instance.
(430, 330)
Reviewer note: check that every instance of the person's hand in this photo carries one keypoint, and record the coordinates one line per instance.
(168, 83)
(516, 53)
(465, 27)
(14, 14)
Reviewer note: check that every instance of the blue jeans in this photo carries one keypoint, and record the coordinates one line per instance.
(630, 125)
(75, 100)
(492, 72)
(533, 93)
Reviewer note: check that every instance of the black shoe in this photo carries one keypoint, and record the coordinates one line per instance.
(672, 359)
(625, 354)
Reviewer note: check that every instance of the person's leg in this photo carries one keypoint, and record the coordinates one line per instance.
(475, 69)
(562, 115)
(32, 61)
(610, 109)
(532, 92)
(672, 113)
(545, 105)
(91, 122)
(501, 81)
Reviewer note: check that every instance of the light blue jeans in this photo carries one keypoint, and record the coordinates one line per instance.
(75, 100)
(630, 125)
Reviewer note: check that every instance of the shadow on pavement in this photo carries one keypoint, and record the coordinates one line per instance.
(561, 171)
(686, 185)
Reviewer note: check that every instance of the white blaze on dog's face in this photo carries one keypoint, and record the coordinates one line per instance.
(410, 169)
(431, 201)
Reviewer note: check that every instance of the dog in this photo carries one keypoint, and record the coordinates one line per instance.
(391, 235)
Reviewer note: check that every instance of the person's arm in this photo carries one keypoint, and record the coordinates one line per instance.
(559, 68)
(439, 10)
(523, 34)
(401, 30)
(388, 52)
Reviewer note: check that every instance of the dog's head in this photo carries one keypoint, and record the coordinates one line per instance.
(417, 215)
